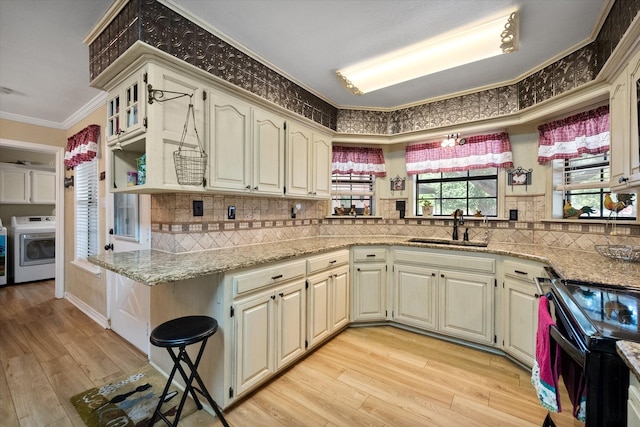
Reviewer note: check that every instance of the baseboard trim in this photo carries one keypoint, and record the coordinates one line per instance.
(88, 310)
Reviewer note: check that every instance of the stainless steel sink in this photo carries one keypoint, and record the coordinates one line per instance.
(433, 241)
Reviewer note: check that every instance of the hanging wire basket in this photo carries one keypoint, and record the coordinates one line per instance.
(190, 164)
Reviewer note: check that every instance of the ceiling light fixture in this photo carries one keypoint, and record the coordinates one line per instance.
(450, 140)
(460, 47)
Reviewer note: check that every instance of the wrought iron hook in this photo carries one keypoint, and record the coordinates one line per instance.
(158, 94)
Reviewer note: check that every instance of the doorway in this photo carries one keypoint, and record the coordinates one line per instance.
(58, 153)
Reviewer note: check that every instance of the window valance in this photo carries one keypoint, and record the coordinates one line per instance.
(358, 161)
(82, 147)
(586, 132)
(480, 151)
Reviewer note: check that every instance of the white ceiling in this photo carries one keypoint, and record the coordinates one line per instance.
(46, 65)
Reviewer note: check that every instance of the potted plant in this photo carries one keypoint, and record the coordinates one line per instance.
(427, 208)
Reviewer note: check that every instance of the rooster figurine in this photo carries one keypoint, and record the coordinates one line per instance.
(623, 201)
(571, 212)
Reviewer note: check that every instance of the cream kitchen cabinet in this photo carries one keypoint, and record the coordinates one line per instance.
(327, 295)
(520, 308)
(308, 162)
(415, 296)
(270, 332)
(246, 146)
(624, 133)
(126, 108)
(369, 288)
(269, 312)
(26, 185)
(465, 292)
(163, 124)
(466, 305)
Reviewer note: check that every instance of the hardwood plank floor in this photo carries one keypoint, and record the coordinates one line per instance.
(373, 376)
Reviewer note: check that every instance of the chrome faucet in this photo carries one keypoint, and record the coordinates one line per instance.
(458, 219)
(486, 229)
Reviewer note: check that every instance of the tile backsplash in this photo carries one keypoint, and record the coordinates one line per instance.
(265, 219)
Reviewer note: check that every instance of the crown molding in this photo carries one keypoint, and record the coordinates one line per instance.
(83, 112)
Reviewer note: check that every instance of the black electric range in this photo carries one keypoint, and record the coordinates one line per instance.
(590, 318)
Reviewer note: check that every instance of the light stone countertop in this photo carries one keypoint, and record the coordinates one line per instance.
(630, 352)
(153, 266)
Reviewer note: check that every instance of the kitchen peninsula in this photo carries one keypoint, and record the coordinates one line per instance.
(276, 301)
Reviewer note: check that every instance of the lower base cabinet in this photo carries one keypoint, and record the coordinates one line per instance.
(445, 292)
(369, 284)
(270, 333)
(415, 296)
(520, 308)
(327, 304)
(466, 306)
(369, 292)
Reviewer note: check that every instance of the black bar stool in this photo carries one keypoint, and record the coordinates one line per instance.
(179, 333)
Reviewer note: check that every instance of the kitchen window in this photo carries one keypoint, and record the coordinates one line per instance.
(352, 191)
(472, 191)
(583, 183)
(86, 198)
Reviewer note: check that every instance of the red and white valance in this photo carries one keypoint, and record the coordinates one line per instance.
(82, 147)
(480, 151)
(358, 161)
(587, 132)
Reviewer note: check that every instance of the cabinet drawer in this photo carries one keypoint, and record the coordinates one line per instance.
(440, 260)
(267, 276)
(369, 254)
(329, 260)
(523, 270)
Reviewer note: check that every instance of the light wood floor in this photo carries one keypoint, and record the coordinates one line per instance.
(375, 376)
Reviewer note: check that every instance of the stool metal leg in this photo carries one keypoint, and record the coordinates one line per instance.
(189, 388)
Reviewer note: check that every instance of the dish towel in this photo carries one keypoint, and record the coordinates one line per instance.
(575, 381)
(544, 375)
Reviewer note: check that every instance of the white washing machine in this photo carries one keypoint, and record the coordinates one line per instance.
(3, 255)
(32, 248)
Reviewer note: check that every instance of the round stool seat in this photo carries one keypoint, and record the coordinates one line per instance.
(183, 331)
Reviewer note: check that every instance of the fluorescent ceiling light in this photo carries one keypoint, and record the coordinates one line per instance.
(451, 50)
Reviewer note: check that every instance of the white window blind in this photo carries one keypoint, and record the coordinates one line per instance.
(86, 189)
(588, 171)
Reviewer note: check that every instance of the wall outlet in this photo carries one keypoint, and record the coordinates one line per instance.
(513, 214)
(198, 208)
(231, 212)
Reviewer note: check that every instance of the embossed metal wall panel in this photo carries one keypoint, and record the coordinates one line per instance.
(165, 29)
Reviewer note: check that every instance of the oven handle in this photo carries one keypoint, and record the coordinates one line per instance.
(567, 346)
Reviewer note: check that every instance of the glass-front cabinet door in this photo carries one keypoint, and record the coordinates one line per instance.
(125, 109)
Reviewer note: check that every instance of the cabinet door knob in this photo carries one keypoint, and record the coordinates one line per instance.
(442, 275)
(433, 274)
(255, 188)
(248, 187)
(273, 297)
(281, 294)
(108, 247)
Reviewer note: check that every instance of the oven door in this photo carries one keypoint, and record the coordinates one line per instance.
(37, 249)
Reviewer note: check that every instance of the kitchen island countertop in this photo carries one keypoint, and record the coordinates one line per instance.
(630, 353)
(153, 266)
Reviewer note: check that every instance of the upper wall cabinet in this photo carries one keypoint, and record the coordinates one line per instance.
(246, 147)
(624, 127)
(308, 162)
(142, 154)
(25, 185)
(126, 108)
(148, 119)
